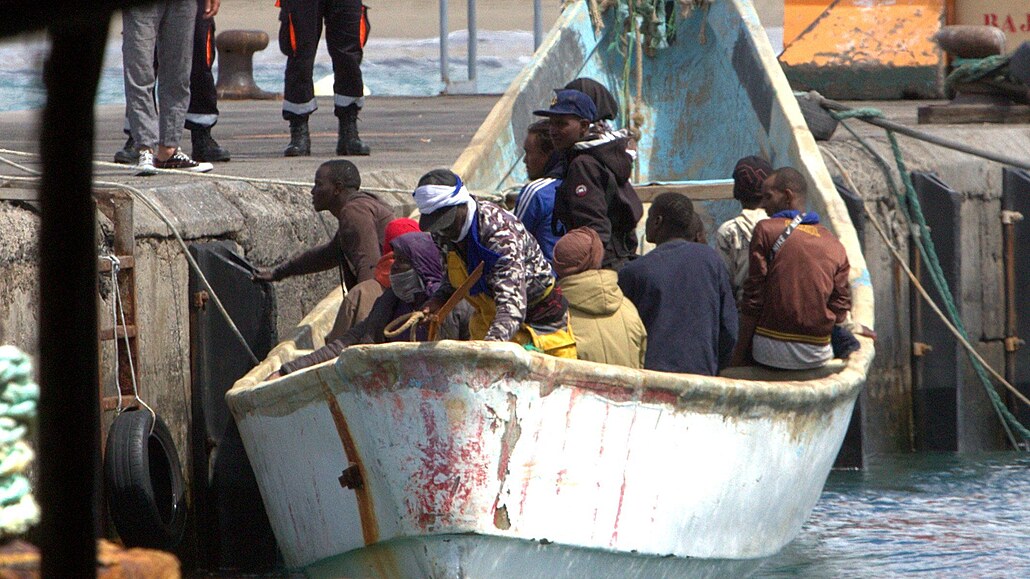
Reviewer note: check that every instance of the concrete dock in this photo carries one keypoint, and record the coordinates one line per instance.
(408, 136)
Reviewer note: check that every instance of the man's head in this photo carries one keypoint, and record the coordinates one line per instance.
(670, 217)
(784, 189)
(569, 117)
(538, 147)
(333, 181)
(443, 201)
(748, 176)
(577, 251)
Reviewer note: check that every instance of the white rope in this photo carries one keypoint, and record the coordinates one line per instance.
(118, 311)
(211, 177)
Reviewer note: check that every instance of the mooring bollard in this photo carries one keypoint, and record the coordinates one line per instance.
(236, 50)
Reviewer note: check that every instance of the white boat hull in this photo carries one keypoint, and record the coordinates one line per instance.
(457, 438)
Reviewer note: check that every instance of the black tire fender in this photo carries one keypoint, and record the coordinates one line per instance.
(146, 495)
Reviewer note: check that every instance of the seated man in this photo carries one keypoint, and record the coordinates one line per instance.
(358, 302)
(595, 190)
(606, 324)
(733, 238)
(797, 286)
(362, 218)
(535, 204)
(682, 291)
(516, 298)
(416, 273)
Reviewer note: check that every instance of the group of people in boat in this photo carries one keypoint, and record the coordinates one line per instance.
(559, 270)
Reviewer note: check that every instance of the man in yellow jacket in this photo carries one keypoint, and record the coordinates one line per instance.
(605, 323)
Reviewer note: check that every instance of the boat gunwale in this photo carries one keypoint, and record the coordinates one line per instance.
(620, 385)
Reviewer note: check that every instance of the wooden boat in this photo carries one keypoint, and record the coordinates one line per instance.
(453, 440)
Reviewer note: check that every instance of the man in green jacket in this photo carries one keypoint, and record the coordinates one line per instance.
(606, 324)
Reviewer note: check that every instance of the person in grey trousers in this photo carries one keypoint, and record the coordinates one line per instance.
(167, 27)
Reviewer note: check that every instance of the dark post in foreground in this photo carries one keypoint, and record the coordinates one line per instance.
(68, 367)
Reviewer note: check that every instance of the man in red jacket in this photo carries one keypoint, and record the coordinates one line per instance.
(797, 285)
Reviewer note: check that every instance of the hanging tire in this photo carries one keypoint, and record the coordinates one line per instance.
(146, 496)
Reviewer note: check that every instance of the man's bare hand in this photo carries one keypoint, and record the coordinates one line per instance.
(432, 305)
(211, 8)
(263, 274)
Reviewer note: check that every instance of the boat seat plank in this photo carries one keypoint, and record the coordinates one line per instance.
(766, 374)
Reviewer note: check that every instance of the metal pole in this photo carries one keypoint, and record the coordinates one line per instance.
(538, 24)
(473, 38)
(1012, 342)
(444, 73)
(69, 402)
(1021, 163)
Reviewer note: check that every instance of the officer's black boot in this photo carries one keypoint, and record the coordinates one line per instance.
(205, 148)
(349, 143)
(300, 139)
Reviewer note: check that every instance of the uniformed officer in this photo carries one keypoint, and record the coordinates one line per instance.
(346, 28)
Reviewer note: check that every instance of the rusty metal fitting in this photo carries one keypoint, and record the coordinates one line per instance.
(1013, 343)
(351, 477)
(1011, 217)
(920, 349)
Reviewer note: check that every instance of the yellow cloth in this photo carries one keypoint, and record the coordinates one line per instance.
(561, 343)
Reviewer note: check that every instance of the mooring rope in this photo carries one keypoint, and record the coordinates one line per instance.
(409, 321)
(18, 398)
(912, 210)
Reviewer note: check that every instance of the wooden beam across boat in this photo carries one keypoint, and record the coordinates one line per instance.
(711, 190)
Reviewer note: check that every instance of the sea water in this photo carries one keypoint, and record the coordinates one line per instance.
(391, 66)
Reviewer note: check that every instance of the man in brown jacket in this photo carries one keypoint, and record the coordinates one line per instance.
(797, 286)
(356, 246)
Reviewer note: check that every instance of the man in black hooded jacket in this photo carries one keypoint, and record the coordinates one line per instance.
(595, 190)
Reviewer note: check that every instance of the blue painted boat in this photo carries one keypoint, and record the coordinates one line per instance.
(450, 442)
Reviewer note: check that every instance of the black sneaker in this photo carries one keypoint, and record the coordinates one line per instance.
(128, 155)
(183, 162)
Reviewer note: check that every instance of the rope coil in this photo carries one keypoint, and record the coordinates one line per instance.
(409, 321)
(18, 398)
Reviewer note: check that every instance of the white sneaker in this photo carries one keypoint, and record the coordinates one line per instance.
(145, 164)
(182, 162)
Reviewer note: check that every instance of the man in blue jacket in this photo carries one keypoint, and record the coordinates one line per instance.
(682, 291)
(535, 204)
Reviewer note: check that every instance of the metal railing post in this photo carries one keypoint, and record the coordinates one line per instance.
(444, 73)
(538, 24)
(472, 40)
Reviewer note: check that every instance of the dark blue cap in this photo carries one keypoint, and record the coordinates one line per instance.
(570, 102)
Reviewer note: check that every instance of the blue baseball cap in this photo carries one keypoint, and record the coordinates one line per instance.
(570, 102)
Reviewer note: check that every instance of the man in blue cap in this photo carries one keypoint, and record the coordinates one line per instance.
(595, 190)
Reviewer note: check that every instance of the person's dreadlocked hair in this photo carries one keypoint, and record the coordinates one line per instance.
(542, 131)
(343, 173)
(444, 177)
(675, 210)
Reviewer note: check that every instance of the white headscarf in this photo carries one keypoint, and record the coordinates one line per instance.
(432, 198)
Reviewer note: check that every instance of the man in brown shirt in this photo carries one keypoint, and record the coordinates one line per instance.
(797, 285)
(362, 225)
